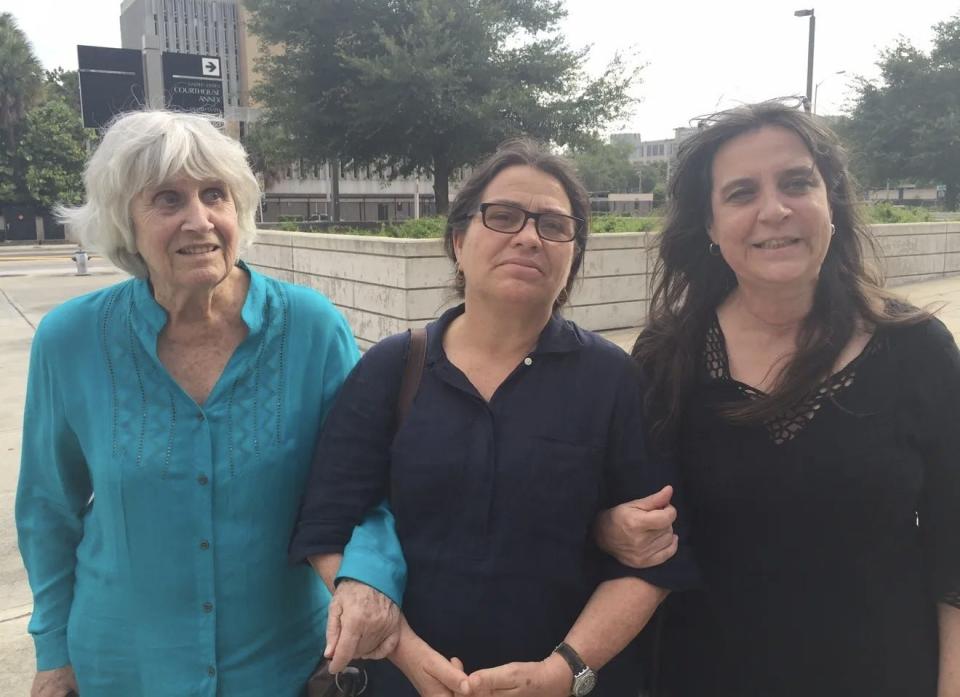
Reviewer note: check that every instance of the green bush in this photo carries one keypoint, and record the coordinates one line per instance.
(422, 228)
(886, 212)
(620, 223)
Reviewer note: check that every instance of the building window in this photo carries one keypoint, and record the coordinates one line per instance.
(383, 211)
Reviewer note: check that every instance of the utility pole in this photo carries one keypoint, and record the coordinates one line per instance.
(808, 102)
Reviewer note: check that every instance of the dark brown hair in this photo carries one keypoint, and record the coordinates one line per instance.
(512, 153)
(689, 282)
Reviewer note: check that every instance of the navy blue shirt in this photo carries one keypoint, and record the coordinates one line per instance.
(494, 501)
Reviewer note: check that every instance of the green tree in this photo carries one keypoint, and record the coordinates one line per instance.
(20, 86)
(428, 85)
(605, 166)
(63, 84)
(653, 174)
(53, 149)
(269, 149)
(907, 124)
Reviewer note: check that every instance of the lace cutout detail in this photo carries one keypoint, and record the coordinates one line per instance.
(785, 427)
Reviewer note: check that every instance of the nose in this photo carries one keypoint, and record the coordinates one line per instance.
(528, 235)
(773, 209)
(197, 214)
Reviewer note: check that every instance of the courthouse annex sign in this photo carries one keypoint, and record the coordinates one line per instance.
(192, 83)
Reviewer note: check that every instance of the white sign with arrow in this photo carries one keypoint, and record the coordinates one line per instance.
(210, 66)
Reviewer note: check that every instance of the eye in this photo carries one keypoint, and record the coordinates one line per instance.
(167, 199)
(214, 194)
(741, 194)
(799, 184)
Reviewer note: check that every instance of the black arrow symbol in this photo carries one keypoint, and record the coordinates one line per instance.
(211, 67)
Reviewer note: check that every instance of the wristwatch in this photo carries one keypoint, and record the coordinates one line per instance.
(584, 679)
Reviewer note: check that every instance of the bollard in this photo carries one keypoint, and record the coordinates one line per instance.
(81, 258)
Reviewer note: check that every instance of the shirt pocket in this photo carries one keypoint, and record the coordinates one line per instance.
(560, 487)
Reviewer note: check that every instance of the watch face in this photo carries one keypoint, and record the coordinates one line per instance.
(584, 683)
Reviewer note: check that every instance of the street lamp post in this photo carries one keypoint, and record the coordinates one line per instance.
(816, 90)
(808, 102)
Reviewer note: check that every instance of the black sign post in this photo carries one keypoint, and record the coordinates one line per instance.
(111, 82)
(192, 83)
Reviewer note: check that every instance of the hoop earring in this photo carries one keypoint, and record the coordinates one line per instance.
(714, 249)
(833, 229)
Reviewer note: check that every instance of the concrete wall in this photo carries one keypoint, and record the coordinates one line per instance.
(386, 285)
(914, 252)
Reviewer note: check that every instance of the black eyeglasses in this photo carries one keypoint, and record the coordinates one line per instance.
(510, 219)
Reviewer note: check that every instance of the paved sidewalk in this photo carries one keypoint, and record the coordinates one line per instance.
(24, 299)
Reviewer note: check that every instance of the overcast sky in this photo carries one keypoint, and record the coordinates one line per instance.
(699, 56)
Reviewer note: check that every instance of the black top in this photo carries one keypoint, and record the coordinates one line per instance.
(493, 501)
(826, 538)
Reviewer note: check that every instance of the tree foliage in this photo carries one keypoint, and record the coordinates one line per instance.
(43, 146)
(428, 85)
(907, 124)
(605, 166)
(54, 152)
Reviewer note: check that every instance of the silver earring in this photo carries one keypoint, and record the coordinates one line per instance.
(714, 249)
(833, 229)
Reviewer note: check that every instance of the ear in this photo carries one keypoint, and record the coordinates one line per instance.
(710, 234)
(458, 244)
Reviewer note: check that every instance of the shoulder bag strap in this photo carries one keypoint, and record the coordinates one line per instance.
(412, 371)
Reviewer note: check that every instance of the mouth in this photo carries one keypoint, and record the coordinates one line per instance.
(778, 243)
(527, 263)
(198, 249)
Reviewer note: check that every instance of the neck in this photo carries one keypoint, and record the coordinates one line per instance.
(500, 331)
(772, 309)
(203, 305)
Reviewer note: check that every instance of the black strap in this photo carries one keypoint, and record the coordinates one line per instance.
(412, 371)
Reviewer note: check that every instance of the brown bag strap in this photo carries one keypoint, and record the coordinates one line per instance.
(412, 370)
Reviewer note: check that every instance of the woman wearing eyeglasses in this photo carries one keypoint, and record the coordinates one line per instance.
(524, 428)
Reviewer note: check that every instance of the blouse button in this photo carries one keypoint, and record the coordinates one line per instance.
(211, 671)
(202, 480)
(208, 607)
(201, 416)
(528, 361)
(204, 544)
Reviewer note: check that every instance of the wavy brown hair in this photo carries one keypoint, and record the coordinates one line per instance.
(689, 283)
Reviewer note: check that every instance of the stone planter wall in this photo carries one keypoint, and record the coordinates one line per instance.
(385, 285)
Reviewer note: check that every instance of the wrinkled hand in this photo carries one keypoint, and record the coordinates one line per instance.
(428, 671)
(639, 533)
(54, 683)
(550, 677)
(362, 623)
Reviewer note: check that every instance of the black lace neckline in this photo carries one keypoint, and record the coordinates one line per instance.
(787, 426)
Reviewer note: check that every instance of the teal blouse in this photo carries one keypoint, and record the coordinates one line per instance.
(154, 531)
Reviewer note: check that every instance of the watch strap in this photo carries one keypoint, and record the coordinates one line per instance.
(572, 658)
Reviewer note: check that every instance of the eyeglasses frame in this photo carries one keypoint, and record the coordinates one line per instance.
(528, 215)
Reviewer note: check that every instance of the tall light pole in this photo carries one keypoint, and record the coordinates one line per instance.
(816, 90)
(808, 102)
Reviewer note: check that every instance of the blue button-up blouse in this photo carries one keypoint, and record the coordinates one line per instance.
(154, 530)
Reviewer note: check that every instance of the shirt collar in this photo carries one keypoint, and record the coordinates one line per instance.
(150, 318)
(558, 336)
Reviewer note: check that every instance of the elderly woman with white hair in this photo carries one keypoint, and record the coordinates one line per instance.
(168, 432)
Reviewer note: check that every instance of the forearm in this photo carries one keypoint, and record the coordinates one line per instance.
(949, 621)
(614, 615)
(326, 566)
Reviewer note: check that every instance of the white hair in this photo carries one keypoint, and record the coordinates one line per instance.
(145, 149)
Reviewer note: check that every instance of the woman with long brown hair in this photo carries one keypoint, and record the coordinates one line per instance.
(813, 417)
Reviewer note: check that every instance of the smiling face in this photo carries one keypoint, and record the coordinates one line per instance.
(520, 267)
(187, 233)
(771, 215)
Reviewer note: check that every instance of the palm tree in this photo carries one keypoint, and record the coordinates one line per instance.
(20, 78)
